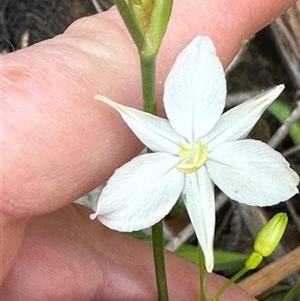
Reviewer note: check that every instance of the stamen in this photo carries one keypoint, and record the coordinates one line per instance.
(195, 157)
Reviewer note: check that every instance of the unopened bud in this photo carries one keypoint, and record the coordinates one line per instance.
(253, 261)
(270, 235)
(157, 26)
(141, 11)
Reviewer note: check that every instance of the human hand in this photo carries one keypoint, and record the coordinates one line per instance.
(59, 143)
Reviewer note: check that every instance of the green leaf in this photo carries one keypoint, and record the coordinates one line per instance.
(224, 260)
(278, 296)
(281, 111)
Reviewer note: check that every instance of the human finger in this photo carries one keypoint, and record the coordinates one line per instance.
(53, 129)
(65, 256)
(58, 142)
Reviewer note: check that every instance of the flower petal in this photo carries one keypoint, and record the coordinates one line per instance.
(238, 122)
(198, 195)
(195, 90)
(140, 193)
(155, 132)
(252, 173)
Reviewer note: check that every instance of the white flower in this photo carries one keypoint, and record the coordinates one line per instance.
(195, 148)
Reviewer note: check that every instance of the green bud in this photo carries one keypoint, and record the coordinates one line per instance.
(141, 12)
(145, 3)
(270, 235)
(253, 261)
(147, 22)
(160, 15)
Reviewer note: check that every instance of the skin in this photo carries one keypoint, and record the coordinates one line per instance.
(59, 143)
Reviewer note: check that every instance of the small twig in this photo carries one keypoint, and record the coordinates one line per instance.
(237, 59)
(97, 6)
(273, 273)
(234, 99)
(181, 238)
(25, 39)
(293, 214)
(185, 234)
(221, 200)
(283, 130)
(225, 221)
(291, 150)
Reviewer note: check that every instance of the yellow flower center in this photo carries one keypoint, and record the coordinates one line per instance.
(195, 157)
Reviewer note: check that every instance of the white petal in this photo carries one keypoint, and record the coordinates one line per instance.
(252, 173)
(140, 193)
(198, 194)
(195, 90)
(155, 132)
(238, 122)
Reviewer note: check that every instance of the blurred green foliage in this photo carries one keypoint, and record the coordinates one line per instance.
(281, 110)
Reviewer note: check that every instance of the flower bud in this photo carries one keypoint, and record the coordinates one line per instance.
(141, 11)
(160, 15)
(253, 261)
(151, 17)
(270, 235)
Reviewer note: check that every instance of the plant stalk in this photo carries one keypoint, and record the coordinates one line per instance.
(232, 280)
(148, 84)
(147, 63)
(149, 96)
(159, 261)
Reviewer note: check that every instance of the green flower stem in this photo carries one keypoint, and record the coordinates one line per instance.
(148, 84)
(229, 282)
(293, 293)
(149, 96)
(159, 261)
(202, 271)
